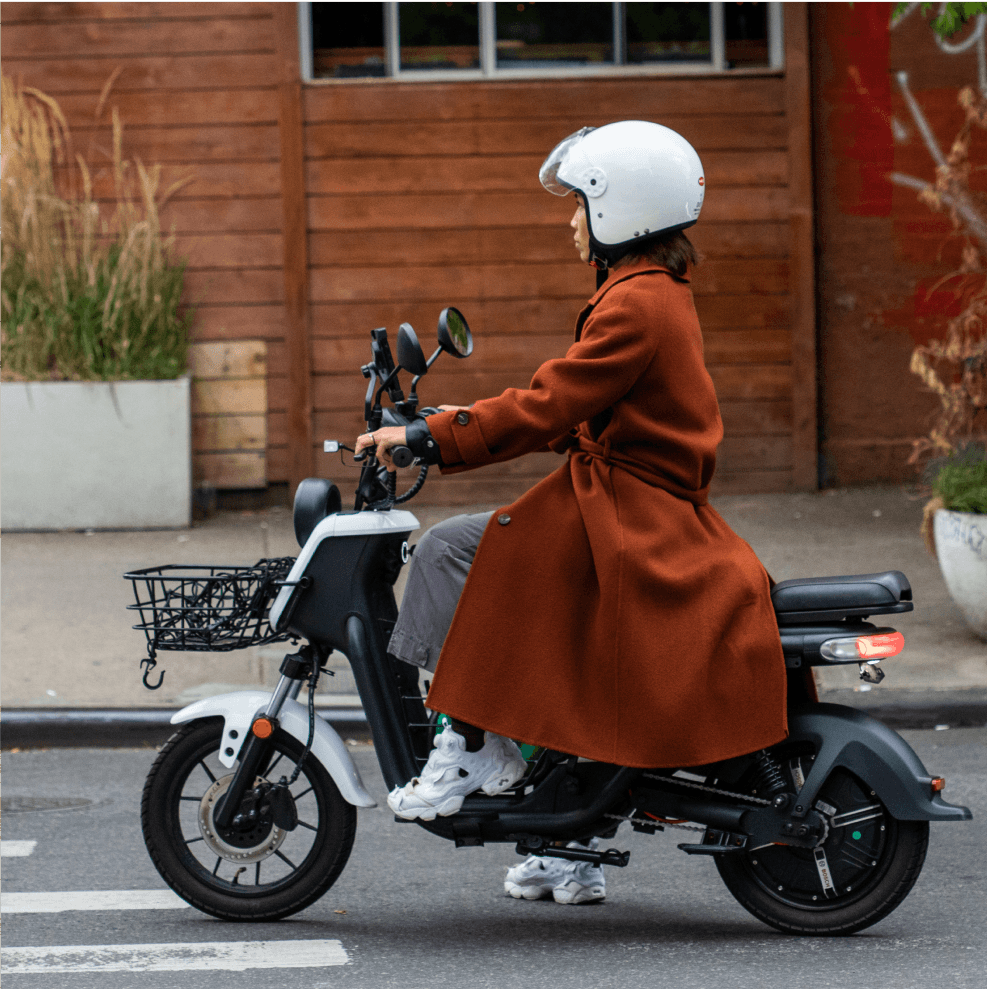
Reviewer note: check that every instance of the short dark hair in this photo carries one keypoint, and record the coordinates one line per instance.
(673, 251)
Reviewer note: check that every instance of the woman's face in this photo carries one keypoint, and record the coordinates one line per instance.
(578, 224)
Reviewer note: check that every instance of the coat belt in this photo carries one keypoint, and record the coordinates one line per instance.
(605, 453)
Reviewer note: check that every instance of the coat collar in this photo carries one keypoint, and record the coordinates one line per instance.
(630, 271)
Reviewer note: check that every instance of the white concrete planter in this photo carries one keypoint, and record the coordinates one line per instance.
(95, 455)
(961, 546)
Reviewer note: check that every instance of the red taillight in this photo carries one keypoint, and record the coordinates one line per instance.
(880, 646)
(938, 785)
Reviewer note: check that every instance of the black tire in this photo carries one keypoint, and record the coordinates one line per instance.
(264, 875)
(873, 862)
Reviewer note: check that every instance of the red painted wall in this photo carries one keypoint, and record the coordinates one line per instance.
(882, 254)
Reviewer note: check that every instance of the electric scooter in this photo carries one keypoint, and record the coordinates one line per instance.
(249, 811)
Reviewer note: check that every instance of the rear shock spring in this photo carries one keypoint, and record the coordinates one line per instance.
(770, 779)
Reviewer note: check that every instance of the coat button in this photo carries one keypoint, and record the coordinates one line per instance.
(504, 519)
(462, 418)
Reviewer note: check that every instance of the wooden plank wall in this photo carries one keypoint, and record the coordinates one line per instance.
(197, 90)
(425, 195)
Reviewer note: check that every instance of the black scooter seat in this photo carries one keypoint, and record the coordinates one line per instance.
(821, 599)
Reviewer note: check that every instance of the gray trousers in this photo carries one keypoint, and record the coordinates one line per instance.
(438, 571)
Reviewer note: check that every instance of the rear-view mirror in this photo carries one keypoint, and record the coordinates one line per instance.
(454, 333)
(410, 354)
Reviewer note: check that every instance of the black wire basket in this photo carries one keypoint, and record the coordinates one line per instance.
(207, 609)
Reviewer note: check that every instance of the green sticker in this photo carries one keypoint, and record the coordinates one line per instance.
(856, 836)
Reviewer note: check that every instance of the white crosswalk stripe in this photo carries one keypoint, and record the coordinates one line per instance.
(16, 849)
(230, 956)
(123, 899)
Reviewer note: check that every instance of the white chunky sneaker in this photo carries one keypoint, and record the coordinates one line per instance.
(566, 882)
(535, 877)
(583, 882)
(452, 773)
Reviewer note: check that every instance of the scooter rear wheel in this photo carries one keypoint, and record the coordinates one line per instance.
(865, 867)
(264, 873)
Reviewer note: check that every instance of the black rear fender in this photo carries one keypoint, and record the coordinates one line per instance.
(845, 738)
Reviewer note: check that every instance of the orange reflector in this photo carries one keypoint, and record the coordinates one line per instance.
(880, 646)
(263, 728)
(938, 785)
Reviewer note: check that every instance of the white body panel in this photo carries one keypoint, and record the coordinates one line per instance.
(238, 712)
(335, 526)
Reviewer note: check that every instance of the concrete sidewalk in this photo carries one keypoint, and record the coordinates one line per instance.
(71, 657)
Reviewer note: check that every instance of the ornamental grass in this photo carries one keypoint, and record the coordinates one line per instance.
(90, 290)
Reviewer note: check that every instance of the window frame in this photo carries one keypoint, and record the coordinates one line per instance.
(489, 71)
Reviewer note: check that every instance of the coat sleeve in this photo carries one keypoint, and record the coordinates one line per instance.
(617, 344)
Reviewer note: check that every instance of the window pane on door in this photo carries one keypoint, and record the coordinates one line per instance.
(746, 30)
(439, 35)
(546, 35)
(348, 40)
(667, 32)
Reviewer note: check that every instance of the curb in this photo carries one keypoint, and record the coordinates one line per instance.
(136, 727)
(49, 728)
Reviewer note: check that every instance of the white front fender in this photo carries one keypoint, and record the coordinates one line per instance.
(238, 712)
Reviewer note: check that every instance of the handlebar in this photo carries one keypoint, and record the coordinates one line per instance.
(402, 456)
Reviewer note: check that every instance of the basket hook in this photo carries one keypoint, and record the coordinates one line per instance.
(150, 663)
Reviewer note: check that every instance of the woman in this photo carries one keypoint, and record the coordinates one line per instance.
(609, 613)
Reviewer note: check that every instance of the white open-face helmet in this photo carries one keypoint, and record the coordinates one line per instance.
(637, 179)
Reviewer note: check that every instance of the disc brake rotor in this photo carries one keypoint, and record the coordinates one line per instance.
(251, 846)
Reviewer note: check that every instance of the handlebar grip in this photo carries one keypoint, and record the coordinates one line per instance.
(402, 456)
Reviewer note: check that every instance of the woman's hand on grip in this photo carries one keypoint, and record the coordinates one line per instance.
(382, 441)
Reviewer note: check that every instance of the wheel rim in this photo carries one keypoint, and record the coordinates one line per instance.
(850, 861)
(256, 863)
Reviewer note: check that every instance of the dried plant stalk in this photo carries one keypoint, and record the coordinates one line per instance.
(955, 368)
(85, 296)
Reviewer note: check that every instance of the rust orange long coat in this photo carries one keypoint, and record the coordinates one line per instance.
(610, 612)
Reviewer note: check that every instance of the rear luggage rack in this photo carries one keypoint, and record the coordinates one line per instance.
(824, 599)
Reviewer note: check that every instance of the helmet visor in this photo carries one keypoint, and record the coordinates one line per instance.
(549, 171)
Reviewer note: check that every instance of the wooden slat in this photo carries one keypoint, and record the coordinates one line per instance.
(529, 351)
(750, 482)
(752, 419)
(244, 469)
(764, 277)
(208, 216)
(745, 453)
(514, 209)
(489, 316)
(229, 433)
(456, 138)
(27, 13)
(756, 418)
(462, 173)
(148, 72)
(188, 145)
(803, 289)
(242, 359)
(121, 39)
(557, 105)
(243, 250)
(238, 285)
(221, 322)
(226, 180)
(192, 108)
(550, 243)
(237, 397)
(345, 391)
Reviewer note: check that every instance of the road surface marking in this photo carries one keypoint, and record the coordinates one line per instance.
(228, 956)
(16, 849)
(123, 899)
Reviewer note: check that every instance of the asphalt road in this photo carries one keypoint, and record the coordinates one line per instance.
(412, 911)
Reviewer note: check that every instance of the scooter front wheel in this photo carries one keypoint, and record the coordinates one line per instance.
(866, 865)
(263, 872)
